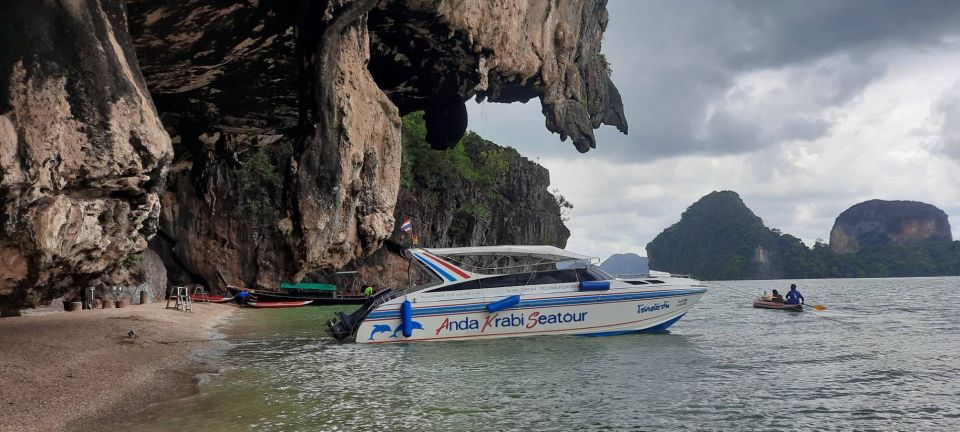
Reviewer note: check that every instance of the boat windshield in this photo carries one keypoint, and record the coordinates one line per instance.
(556, 276)
(508, 264)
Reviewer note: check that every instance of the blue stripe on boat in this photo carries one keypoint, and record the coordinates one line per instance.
(570, 301)
(435, 268)
(657, 328)
(664, 325)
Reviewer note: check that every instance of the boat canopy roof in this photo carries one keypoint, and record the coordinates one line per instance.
(552, 253)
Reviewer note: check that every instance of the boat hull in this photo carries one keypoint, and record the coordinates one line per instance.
(577, 313)
(211, 299)
(763, 304)
(278, 305)
(315, 300)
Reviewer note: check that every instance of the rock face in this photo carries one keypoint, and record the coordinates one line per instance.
(432, 55)
(287, 151)
(308, 98)
(879, 223)
(82, 151)
(284, 118)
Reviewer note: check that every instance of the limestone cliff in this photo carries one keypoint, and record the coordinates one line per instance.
(432, 55)
(308, 97)
(879, 223)
(717, 237)
(82, 151)
(720, 238)
(286, 150)
(284, 118)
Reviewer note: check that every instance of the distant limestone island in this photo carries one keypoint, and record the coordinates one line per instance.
(625, 264)
(719, 238)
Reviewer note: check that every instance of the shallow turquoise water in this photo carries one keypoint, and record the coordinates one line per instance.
(892, 365)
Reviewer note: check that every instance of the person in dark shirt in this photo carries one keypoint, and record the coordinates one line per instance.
(243, 297)
(794, 296)
(776, 297)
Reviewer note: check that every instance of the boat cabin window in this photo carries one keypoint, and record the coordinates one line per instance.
(517, 279)
(655, 281)
(553, 277)
(593, 273)
(589, 273)
(466, 285)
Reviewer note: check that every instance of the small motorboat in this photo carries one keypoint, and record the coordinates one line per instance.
(767, 304)
(284, 304)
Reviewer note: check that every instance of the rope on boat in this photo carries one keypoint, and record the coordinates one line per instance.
(752, 296)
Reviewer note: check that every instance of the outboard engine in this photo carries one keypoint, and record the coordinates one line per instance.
(342, 325)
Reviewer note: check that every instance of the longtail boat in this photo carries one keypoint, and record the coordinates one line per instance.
(209, 298)
(318, 294)
(285, 304)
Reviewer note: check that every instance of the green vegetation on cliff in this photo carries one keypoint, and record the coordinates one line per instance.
(718, 237)
(472, 160)
(475, 193)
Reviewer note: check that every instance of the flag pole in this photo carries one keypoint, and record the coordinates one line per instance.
(407, 228)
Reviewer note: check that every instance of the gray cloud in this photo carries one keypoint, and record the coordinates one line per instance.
(947, 113)
(715, 78)
(804, 108)
(790, 32)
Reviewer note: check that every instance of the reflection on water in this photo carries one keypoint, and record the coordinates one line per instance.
(892, 366)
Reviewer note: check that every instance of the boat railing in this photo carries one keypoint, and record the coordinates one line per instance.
(500, 265)
(383, 297)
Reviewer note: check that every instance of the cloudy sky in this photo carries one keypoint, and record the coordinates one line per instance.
(804, 108)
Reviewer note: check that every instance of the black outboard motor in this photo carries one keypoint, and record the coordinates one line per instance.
(342, 326)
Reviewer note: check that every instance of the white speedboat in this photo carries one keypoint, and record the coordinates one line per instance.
(503, 291)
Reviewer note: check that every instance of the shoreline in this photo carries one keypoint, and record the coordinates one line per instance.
(82, 370)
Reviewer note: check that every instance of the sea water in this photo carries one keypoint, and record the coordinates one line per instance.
(885, 355)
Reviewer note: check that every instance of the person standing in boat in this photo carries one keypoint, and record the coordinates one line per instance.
(794, 296)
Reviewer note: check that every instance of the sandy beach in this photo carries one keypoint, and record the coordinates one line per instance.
(72, 370)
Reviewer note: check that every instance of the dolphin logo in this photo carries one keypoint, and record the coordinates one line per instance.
(416, 326)
(379, 328)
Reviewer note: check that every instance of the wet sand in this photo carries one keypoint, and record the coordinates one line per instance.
(78, 370)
